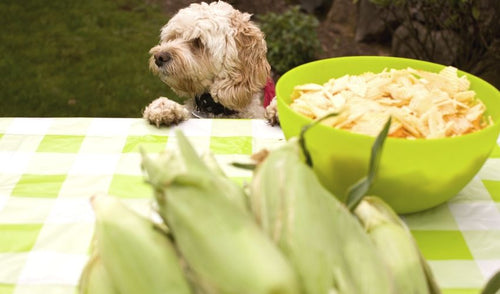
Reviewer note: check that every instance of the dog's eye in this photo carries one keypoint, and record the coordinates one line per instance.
(196, 43)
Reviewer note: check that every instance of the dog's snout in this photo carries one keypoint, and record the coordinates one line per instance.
(162, 58)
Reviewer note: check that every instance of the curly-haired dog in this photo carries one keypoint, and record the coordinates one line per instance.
(214, 56)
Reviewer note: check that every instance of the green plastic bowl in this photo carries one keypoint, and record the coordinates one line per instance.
(414, 175)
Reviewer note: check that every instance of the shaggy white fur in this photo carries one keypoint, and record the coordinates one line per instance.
(210, 54)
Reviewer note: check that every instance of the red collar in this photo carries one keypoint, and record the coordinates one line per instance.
(269, 91)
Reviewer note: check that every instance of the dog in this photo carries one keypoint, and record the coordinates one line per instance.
(214, 57)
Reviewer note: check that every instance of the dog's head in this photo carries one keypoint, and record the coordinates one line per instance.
(212, 48)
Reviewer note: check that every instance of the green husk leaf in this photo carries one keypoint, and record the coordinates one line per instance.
(357, 191)
(493, 285)
(248, 166)
(302, 141)
(95, 279)
(429, 275)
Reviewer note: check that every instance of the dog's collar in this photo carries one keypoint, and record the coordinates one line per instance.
(206, 104)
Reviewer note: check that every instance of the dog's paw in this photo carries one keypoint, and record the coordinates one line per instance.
(271, 114)
(164, 111)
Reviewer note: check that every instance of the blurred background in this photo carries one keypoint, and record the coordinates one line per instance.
(90, 57)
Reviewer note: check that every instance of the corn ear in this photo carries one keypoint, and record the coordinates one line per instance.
(325, 243)
(219, 240)
(188, 165)
(137, 255)
(95, 278)
(396, 245)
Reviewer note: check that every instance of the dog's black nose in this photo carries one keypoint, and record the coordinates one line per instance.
(162, 58)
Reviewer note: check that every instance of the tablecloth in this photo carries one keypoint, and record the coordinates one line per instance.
(49, 167)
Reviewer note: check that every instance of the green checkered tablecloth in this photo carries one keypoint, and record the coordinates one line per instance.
(49, 167)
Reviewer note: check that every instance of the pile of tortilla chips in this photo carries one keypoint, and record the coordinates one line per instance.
(422, 104)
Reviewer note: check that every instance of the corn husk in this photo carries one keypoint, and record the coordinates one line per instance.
(216, 235)
(396, 246)
(325, 243)
(136, 254)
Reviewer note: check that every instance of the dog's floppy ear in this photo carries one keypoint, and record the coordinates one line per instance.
(247, 69)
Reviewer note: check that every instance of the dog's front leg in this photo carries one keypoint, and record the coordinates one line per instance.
(163, 111)
(271, 113)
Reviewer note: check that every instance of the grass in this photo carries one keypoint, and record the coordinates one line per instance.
(78, 57)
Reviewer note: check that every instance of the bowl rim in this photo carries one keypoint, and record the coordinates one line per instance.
(495, 127)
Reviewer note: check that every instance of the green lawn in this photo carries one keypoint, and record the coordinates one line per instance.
(78, 57)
